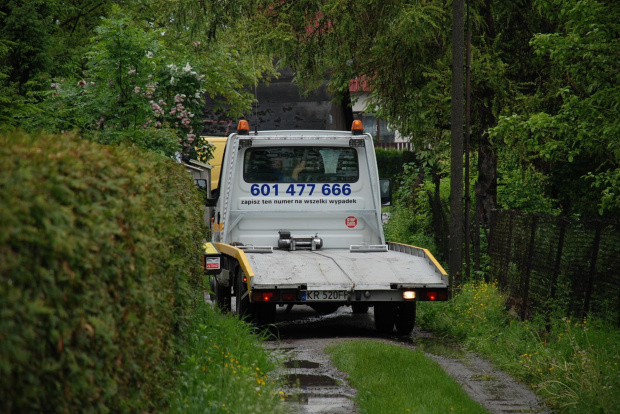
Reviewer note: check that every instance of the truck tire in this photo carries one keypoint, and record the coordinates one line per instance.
(264, 313)
(212, 288)
(359, 308)
(405, 317)
(385, 317)
(243, 303)
(222, 296)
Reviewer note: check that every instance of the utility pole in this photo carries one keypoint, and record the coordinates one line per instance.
(467, 148)
(455, 261)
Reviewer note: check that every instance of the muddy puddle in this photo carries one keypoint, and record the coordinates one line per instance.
(296, 363)
(438, 347)
(312, 383)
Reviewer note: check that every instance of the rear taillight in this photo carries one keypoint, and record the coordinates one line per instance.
(263, 296)
(436, 295)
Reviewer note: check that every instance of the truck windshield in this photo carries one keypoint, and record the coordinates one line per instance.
(302, 164)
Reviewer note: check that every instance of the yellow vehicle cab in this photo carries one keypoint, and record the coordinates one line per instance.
(219, 143)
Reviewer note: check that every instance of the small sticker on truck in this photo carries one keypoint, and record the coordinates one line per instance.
(351, 222)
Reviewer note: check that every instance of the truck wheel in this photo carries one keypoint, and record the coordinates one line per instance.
(359, 307)
(405, 317)
(264, 313)
(385, 316)
(222, 296)
(212, 288)
(243, 304)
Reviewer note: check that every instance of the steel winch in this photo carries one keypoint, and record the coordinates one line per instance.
(287, 242)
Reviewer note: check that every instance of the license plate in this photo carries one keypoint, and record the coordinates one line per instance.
(324, 295)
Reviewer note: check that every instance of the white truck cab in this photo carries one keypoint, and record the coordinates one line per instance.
(297, 220)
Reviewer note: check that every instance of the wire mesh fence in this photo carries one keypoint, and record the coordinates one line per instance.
(549, 265)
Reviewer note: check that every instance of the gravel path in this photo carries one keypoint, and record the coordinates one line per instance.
(319, 387)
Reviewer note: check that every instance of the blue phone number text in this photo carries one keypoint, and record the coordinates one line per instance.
(300, 189)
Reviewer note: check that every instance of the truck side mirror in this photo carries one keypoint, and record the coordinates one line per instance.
(202, 187)
(210, 200)
(385, 190)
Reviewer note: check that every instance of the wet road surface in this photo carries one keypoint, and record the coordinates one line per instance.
(316, 386)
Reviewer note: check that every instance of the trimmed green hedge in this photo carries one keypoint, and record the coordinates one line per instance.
(99, 266)
(390, 163)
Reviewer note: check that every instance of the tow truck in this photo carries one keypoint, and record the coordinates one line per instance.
(297, 220)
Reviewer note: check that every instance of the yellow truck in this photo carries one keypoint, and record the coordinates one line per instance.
(219, 144)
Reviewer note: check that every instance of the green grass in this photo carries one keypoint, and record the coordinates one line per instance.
(573, 365)
(224, 369)
(392, 379)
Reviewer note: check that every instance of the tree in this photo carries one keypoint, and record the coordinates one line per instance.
(403, 48)
(138, 76)
(570, 132)
(122, 93)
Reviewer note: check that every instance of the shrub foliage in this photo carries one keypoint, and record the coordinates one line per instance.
(390, 163)
(99, 255)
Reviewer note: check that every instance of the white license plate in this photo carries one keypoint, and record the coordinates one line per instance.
(324, 295)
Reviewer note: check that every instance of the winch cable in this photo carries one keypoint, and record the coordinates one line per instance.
(339, 267)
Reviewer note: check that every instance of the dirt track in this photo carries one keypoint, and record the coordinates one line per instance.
(321, 388)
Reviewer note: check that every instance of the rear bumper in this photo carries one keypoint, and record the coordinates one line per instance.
(303, 296)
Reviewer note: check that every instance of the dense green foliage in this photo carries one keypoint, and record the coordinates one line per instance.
(118, 73)
(547, 69)
(544, 79)
(391, 163)
(412, 216)
(385, 375)
(224, 368)
(99, 267)
(567, 136)
(573, 365)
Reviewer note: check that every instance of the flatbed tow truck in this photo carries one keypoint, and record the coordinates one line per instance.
(297, 221)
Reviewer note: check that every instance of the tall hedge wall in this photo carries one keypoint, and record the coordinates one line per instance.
(390, 163)
(99, 256)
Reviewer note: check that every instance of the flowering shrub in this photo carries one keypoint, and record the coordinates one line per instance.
(130, 92)
(176, 101)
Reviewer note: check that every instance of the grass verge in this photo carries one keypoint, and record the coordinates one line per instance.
(224, 369)
(392, 379)
(573, 365)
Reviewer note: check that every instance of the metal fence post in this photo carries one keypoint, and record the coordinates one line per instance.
(507, 253)
(528, 268)
(558, 258)
(592, 273)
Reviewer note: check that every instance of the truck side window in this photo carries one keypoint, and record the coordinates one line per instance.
(300, 164)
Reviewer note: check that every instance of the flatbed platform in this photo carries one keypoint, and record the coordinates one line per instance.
(342, 269)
